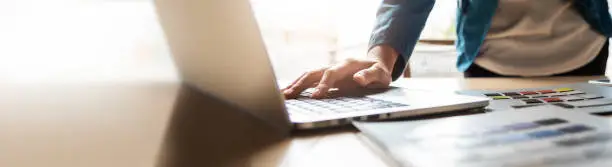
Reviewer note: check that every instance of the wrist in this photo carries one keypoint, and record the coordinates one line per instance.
(384, 55)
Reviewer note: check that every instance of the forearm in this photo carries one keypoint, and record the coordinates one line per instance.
(398, 26)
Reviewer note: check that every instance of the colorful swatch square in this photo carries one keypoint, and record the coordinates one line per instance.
(529, 93)
(564, 89)
(552, 99)
(511, 94)
(520, 97)
(532, 101)
(547, 91)
(500, 97)
(551, 121)
(575, 129)
(545, 134)
(492, 94)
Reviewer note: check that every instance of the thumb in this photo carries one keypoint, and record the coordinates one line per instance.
(373, 77)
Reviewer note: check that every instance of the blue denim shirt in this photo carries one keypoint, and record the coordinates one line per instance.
(400, 22)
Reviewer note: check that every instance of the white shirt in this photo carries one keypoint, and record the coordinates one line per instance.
(538, 38)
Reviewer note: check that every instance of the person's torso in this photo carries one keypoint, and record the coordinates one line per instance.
(538, 38)
(475, 16)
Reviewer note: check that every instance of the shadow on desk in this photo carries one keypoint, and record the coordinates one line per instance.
(205, 131)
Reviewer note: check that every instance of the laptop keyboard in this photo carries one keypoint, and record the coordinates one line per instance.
(309, 106)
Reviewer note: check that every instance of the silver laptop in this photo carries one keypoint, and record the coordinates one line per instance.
(217, 47)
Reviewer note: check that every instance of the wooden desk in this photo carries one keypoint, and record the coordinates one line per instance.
(145, 124)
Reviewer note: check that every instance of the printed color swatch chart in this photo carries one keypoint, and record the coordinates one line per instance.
(537, 136)
(586, 97)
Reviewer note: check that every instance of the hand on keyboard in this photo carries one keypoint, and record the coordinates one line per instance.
(352, 73)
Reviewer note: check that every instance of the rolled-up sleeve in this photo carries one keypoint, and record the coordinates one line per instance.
(399, 24)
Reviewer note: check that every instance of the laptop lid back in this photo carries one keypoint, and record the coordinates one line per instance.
(217, 47)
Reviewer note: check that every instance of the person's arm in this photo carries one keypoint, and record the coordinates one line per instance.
(398, 25)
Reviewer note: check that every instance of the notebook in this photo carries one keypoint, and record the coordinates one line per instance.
(535, 136)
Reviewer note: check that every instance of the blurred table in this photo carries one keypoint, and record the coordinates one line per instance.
(143, 124)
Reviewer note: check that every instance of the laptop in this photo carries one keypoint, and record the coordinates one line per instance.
(217, 48)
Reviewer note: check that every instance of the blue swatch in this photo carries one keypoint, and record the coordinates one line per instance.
(545, 134)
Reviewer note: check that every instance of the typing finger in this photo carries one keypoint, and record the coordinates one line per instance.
(327, 82)
(307, 81)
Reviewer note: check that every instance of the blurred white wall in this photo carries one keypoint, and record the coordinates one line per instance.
(104, 40)
(81, 40)
(121, 40)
